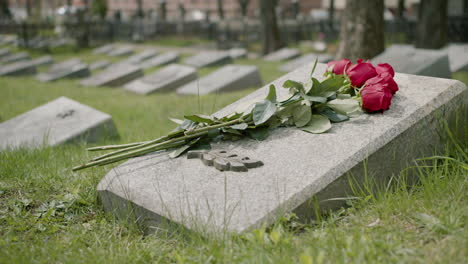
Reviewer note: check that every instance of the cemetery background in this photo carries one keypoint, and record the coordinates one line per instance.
(49, 214)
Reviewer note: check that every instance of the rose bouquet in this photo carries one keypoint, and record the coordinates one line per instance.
(313, 106)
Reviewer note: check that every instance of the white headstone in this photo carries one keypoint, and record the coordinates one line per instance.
(458, 57)
(162, 59)
(104, 49)
(121, 51)
(18, 68)
(114, 76)
(304, 60)
(72, 71)
(44, 60)
(282, 55)
(15, 57)
(208, 58)
(141, 57)
(98, 65)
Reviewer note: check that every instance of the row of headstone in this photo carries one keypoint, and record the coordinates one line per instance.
(15, 57)
(72, 68)
(300, 170)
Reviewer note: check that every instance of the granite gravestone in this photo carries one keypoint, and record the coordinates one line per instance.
(299, 169)
(59, 121)
(237, 53)
(114, 76)
(44, 60)
(65, 64)
(228, 78)
(458, 57)
(15, 57)
(208, 58)
(79, 70)
(304, 60)
(142, 56)
(98, 65)
(121, 51)
(282, 55)
(104, 49)
(166, 79)
(4, 52)
(18, 68)
(162, 59)
(406, 59)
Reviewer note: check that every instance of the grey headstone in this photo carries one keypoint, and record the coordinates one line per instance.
(114, 76)
(44, 60)
(60, 121)
(228, 78)
(18, 68)
(304, 60)
(121, 51)
(296, 165)
(458, 57)
(21, 56)
(282, 55)
(208, 58)
(166, 79)
(237, 53)
(98, 65)
(142, 56)
(162, 59)
(104, 49)
(72, 71)
(65, 64)
(406, 59)
(4, 52)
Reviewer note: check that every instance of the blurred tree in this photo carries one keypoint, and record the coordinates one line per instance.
(5, 12)
(401, 9)
(271, 38)
(162, 9)
(362, 29)
(432, 24)
(220, 9)
(99, 7)
(28, 8)
(243, 4)
(331, 11)
(140, 12)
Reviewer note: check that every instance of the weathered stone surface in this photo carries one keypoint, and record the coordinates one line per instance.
(237, 53)
(208, 58)
(166, 79)
(121, 51)
(142, 56)
(114, 76)
(282, 55)
(406, 59)
(18, 68)
(65, 64)
(4, 52)
(15, 57)
(458, 57)
(104, 49)
(98, 65)
(228, 78)
(297, 165)
(162, 59)
(44, 60)
(59, 121)
(304, 60)
(71, 71)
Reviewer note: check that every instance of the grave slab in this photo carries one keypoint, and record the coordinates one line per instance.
(237, 53)
(4, 52)
(44, 60)
(208, 58)
(299, 169)
(18, 68)
(104, 49)
(142, 56)
(59, 121)
(228, 78)
(72, 71)
(121, 51)
(65, 64)
(114, 76)
(458, 57)
(166, 79)
(98, 65)
(304, 60)
(20, 56)
(162, 59)
(282, 55)
(407, 59)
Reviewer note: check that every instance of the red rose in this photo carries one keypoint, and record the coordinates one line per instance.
(360, 72)
(339, 66)
(385, 80)
(385, 67)
(376, 97)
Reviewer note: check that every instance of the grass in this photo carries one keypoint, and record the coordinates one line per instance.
(50, 215)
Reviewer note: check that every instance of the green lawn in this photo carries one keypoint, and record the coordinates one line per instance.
(49, 214)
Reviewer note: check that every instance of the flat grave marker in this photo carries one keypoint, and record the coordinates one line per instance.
(228, 78)
(114, 76)
(166, 79)
(142, 56)
(121, 51)
(60, 121)
(104, 49)
(4, 52)
(98, 65)
(297, 166)
(282, 54)
(44, 60)
(406, 59)
(162, 59)
(304, 60)
(458, 57)
(208, 58)
(79, 70)
(18, 68)
(15, 57)
(237, 53)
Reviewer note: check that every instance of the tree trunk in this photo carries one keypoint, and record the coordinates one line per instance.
(243, 4)
(401, 9)
(28, 8)
(271, 39)
(432, 24)
(331, 11)
(220, 9)
(362, 30)
(140, 8)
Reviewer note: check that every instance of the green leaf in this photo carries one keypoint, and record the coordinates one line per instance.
(259, 134)
(313, 68)
(349, 107)
(332, 115)
(293, 85)
(177, 121)
(315, 99)
(241, 126)
(179, 151)
(200, 119)
(231, 131)
(302, 115)
(318, 124)
(331, 84)
(188, 124)
(263, 111)
(271, 94)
